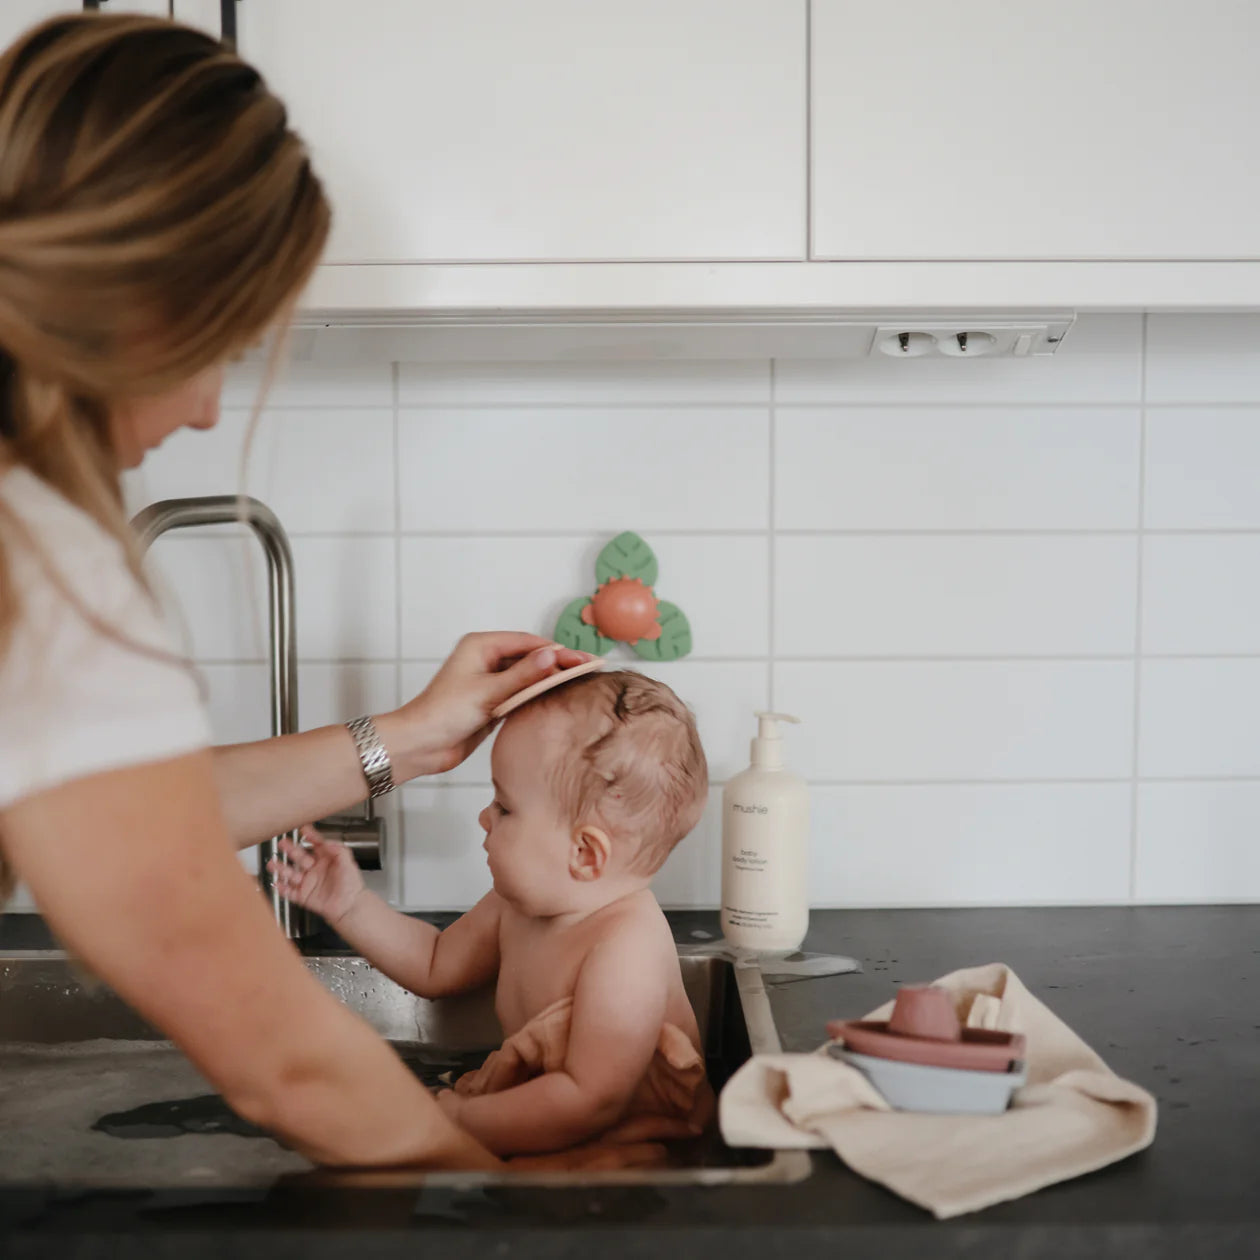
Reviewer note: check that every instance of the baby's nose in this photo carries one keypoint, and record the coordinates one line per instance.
(484, 819)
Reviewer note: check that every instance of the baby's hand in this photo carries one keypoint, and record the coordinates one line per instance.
(450, 1102)
(325, 879)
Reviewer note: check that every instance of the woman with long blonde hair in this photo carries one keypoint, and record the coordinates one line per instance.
(157, 216)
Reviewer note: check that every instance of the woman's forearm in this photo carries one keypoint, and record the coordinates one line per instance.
(133, 873)
(275, 785)
(336, 1094)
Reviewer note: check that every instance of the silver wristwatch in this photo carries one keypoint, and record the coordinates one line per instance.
(377, 769)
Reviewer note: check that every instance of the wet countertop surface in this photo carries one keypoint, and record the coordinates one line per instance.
(1170, 997)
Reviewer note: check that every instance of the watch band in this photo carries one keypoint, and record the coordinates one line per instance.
(377, 769)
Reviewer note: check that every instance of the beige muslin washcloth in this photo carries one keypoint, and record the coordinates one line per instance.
(674, 1088)
(1073, 1116)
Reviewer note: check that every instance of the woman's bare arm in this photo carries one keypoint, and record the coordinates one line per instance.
(275, 785)
(132, 870)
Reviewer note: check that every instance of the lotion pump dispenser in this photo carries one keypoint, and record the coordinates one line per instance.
(765, 849)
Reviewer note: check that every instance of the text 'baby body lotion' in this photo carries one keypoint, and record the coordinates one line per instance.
(765, 849)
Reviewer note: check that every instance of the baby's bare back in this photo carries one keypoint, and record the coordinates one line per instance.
(541, 960)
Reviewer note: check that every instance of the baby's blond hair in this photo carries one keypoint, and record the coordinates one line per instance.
(638, 767)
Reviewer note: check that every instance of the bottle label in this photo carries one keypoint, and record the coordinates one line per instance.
(748, 860)
(757, 920)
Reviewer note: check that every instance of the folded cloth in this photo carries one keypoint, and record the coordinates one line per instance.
(1075, 1115)
(673, 1097)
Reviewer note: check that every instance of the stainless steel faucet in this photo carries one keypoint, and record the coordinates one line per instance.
(363, 834)
(226, 509)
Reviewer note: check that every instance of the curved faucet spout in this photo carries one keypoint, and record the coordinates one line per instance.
(227, 509)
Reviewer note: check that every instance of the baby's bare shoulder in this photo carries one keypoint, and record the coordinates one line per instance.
(636, 922)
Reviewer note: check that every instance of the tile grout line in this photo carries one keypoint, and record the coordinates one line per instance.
(1137, 625)
(665, 402)
(209, 533)
(1061, 782)
(771, 538)
(809, 135)
(990, 658)
(394, 878)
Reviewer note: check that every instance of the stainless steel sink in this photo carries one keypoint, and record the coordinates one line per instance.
(60, 1034)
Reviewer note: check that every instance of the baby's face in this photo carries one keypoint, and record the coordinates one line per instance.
(527, 838)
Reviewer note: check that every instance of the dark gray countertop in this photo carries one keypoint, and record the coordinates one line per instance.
(1168, 996)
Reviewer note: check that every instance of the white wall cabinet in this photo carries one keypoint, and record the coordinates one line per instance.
(17, 16)
(491, 130)
(496, 156)
(1069, 130)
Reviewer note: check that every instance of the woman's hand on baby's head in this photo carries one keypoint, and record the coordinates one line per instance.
(441, 726)
(324, 878)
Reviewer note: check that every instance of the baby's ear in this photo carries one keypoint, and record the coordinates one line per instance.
(589, 852)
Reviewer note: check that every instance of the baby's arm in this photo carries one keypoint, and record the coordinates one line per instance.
(619, 1007)
(412, 953)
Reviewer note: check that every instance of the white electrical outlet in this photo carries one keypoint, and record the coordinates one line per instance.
(983, 337)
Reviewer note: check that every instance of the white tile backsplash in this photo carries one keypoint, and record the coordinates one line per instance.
(590, 470)
(444, 866)
(572, 384)
(346, 595)
(239, 700)
(443, 863)
(941, 595)
(1197, 842)
(1013, 601)
(338, 691)
(1202, 468)
(1200, 718)
(450, 584)
(304, 384)
(899, 721)
(1203, 359)
(239, 696)
(216, 587)
(955, 468)
(291, 455)
(1198, 594)
(987, 844)
(692, 874)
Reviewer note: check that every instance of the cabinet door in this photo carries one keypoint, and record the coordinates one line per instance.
(492, 130)
(997, 130)
(18, 16)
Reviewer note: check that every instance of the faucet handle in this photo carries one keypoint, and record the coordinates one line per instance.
(364, 837)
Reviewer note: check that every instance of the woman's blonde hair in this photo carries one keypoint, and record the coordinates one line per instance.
(157, 217)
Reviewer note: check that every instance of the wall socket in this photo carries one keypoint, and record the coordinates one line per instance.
(982, 338)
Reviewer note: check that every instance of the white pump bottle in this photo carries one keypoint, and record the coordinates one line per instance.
(765, 849)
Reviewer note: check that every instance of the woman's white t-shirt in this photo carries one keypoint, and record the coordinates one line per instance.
(76, 701)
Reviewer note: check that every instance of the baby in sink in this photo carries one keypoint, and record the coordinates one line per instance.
(595, 783)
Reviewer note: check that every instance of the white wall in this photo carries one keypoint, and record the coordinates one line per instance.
(1013, 601)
